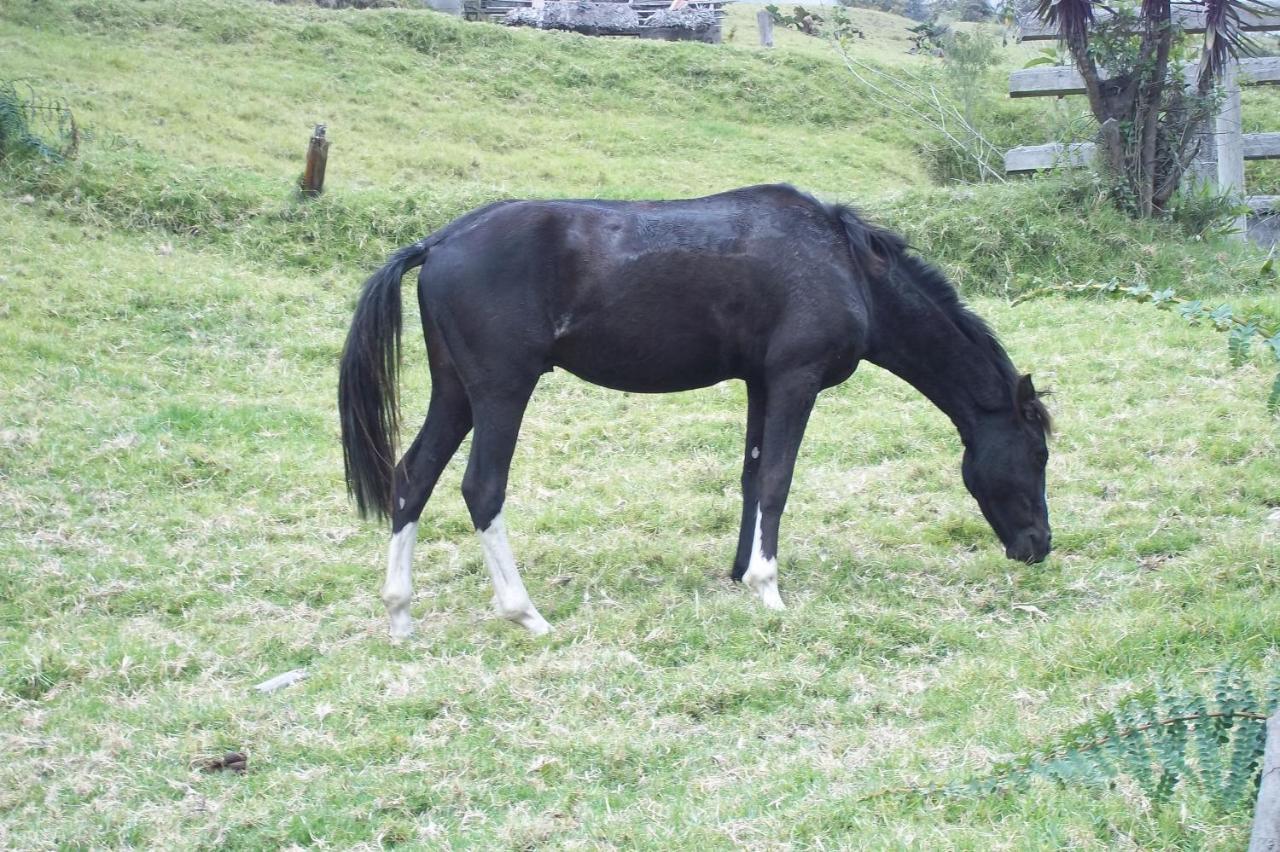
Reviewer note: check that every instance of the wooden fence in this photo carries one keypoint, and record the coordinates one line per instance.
(1221, 160)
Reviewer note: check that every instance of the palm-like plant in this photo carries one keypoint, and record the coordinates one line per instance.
(1151, 121)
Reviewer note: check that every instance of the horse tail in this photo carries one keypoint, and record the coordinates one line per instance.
(368, 407)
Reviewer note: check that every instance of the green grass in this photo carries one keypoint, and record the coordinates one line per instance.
(173, 527)
(430, 117)
(169, 481)
(417, 99)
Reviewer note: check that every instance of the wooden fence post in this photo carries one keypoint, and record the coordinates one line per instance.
(765, 22)
(1230, 144)
(1266, 815)
(317, 157)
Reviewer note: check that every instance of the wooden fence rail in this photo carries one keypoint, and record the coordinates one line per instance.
(1191, 20)
(1066, 80)
(1035, 158)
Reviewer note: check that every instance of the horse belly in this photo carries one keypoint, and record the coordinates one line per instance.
(645, 360)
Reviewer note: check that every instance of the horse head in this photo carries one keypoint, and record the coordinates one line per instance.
(1004, 462)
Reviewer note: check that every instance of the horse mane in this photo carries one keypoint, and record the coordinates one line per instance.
(879, 253)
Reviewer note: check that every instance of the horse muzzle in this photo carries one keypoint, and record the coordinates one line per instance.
(1030, 547)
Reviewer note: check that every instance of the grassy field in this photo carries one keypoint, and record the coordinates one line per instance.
(173, 527)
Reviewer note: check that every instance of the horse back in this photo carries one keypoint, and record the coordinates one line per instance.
(655, 296)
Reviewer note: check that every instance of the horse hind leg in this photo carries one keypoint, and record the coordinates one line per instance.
(448, 421)
(484, 489)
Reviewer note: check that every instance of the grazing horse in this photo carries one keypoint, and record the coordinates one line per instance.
(765, 284)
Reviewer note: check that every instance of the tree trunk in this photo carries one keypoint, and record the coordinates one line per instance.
(1150, 103)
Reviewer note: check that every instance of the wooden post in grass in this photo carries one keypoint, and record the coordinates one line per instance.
(1266, 814)
(765, 22)
(1230, 144)
(317, 156)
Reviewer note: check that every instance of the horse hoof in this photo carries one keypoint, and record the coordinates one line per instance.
(401, 626)
(535, 624)
(766, 588)
(528, 617)
(530, 620)
(767, 591)
(772, 600)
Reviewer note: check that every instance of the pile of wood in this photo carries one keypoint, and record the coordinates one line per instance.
(578, 16)
(618, 19)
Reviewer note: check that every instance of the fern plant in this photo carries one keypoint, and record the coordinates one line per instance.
(23, 115)
(1161, 739)
(1242, 331)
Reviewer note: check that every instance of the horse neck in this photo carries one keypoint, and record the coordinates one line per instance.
(921, 342)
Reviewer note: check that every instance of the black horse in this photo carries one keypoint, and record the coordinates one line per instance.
(764, 284)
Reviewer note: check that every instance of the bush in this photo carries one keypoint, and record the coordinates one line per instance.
(1010, 238)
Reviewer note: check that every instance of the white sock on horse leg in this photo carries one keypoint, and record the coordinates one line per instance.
(762, 574)
(510, 598)
(397, 591)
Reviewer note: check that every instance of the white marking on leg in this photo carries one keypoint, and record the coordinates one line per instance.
(397, 591)
(762, 574)
(510, 598)
(401, 502)
(755, 452)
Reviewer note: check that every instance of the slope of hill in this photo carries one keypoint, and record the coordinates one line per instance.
(173, 527)
(415, 99)
(197, 117)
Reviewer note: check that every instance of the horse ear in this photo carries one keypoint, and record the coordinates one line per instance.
(1030, 406)
(1026, 390)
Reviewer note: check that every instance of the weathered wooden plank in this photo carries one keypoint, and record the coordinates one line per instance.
(1045, 81)
(1260, 204)
(1066, 80)
(1191, 20)
(1229, 141)
(1034, 158)
(1259, 70)
(1265, 836)
(1261, 146)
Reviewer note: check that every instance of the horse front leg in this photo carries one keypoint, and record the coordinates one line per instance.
(787, 408)
(750, 479)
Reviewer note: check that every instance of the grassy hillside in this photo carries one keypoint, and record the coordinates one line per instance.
(173, 527)
(414, 99)
(176, 531)
(197, 118)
